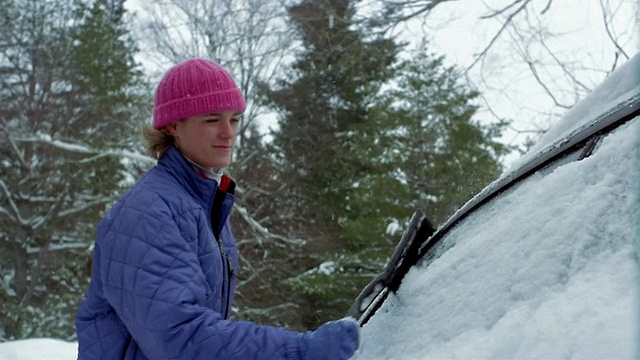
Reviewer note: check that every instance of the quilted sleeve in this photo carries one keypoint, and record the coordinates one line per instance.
(152, 278)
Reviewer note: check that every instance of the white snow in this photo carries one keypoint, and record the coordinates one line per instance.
(327, 268)
(38, 348)
(393, 227)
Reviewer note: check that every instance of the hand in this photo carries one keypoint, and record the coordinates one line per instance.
(334, 340)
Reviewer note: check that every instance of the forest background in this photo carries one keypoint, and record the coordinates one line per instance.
(354, 120)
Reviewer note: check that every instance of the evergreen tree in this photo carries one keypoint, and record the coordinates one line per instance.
(434, 154)
(266, 257)
(414, 145)
(327, 97)
(68, 93)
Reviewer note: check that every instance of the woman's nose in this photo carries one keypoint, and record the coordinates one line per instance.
(227, 130)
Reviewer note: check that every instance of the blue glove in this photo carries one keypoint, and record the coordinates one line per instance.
(334, 340)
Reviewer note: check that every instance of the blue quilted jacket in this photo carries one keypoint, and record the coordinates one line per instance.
(162, 283)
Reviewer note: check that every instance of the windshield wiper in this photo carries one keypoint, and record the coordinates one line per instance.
(404, 257)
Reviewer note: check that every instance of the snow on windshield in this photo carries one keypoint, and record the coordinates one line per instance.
(621, 85)
(547, 270)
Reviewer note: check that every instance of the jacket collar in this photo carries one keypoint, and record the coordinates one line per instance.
(203, 190)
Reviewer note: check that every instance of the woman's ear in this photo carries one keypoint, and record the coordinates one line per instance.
(172, 129)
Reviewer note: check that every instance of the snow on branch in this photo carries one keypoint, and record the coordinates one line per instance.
(269, 310)
(14, 207)
(57, 247)
(261, 229)
(84, 206)
(82, 149)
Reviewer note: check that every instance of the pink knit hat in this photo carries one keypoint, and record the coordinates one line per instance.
(195, 87)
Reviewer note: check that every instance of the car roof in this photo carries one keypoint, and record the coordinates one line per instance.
(617, 91)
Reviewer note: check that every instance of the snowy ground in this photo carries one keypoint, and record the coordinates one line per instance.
(38, 349)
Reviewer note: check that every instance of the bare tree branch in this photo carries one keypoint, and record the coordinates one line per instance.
(541, 82)
(607, 27)
(504, 9)
(416, 7)
(504, 26)
(563, 65)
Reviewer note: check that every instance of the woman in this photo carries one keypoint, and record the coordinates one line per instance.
(165, 260)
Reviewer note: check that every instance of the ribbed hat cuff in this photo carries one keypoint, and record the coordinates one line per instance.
(183, 108)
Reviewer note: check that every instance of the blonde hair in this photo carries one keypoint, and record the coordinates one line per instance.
(157, 141)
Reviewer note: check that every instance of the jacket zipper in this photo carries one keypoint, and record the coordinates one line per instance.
(225, 285)
(229, 276)
(226, 186)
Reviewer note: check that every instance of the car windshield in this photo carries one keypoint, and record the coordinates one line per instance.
(547, 269)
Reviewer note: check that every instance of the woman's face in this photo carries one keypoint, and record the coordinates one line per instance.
(207, 140)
